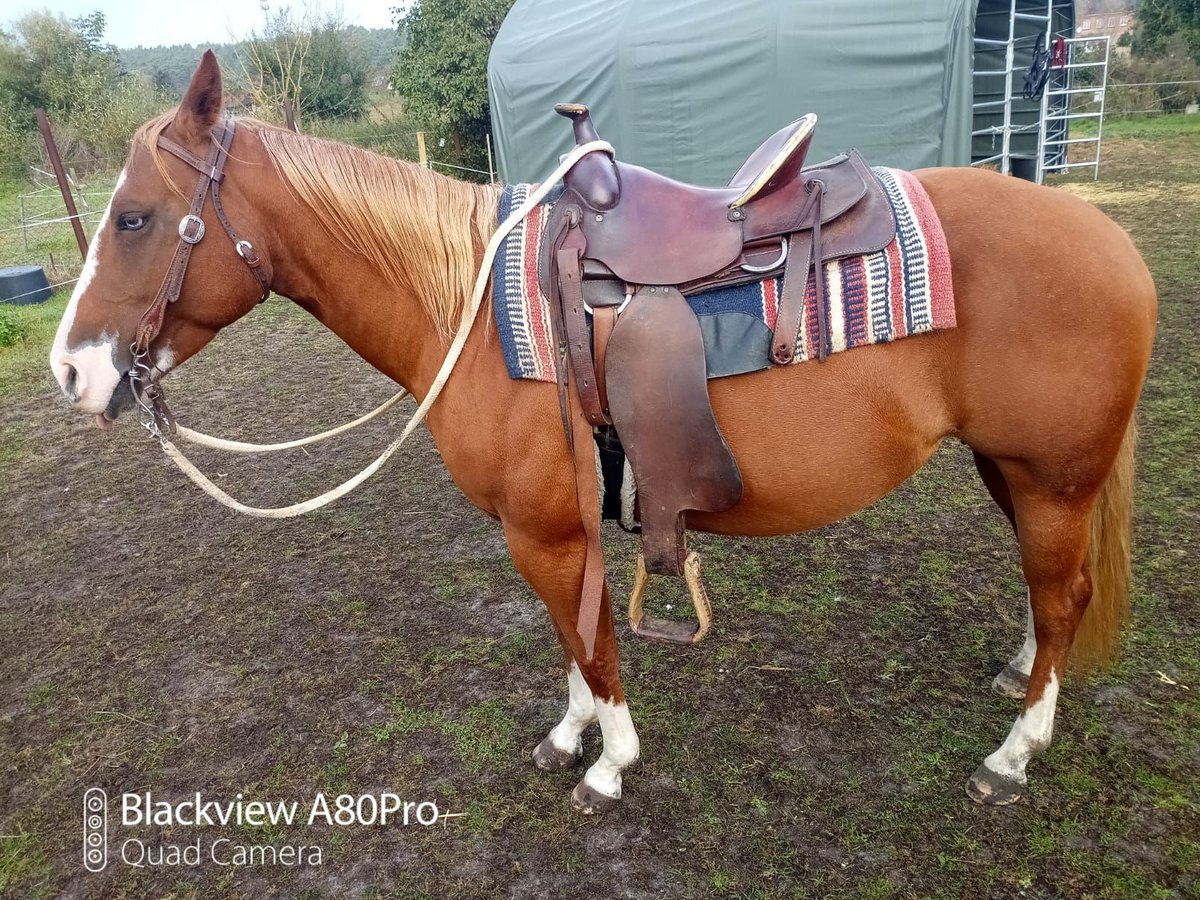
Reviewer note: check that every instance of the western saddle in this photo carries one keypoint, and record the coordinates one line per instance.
(624, 246)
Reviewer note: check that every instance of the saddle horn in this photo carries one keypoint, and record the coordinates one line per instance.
(594, 177)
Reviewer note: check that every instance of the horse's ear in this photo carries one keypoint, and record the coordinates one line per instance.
(201, 106)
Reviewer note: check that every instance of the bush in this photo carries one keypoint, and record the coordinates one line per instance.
(306, 61)
(442, 72)
(12, 329)
(1174, 65)
(65, 67)
(384, 128)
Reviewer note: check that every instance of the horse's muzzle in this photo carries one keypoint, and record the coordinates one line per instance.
(121, 400)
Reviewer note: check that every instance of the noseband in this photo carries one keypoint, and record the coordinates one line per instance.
(146, 391)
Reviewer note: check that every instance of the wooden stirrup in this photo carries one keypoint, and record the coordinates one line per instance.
(671, 631)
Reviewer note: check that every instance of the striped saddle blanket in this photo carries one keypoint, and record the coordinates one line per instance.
(904, 289)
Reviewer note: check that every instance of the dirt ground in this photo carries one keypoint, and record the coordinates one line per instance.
(816, 745)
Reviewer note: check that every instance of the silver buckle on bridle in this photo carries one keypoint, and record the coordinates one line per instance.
(196, 224)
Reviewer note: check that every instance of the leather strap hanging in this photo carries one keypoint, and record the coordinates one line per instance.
(568, 249)
(569, 259)
(604, 319)
(803, 259)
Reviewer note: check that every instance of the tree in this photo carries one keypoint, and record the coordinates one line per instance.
(307, 62)
(442, 72)
(1164, 24)
(66, 66)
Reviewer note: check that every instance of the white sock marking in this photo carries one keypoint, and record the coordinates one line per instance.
(1030, 733)
(621, 748)
(1023, 661)
(581, 712)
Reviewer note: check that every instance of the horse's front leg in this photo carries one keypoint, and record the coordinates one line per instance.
(563, 746)
(552, 563)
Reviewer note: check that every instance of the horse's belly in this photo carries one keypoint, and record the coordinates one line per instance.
(817, 442)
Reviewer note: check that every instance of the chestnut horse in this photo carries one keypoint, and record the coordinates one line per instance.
(1056, 316)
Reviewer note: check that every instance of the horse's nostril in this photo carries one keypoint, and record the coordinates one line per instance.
(71, 383)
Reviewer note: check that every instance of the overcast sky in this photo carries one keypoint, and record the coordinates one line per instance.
(150, 22)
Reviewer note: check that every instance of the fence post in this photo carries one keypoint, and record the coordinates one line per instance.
(24, 226)
(63, 186)
(421, 157)
(289, 115)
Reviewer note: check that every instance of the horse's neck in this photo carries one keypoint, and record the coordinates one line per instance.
(389, 328)
(392, 333)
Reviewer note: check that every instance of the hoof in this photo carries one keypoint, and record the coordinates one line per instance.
(590, 801)
(993, 789)
(549, 758)
(1011, 683)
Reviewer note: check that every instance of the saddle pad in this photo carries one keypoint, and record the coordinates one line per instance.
(902, 290)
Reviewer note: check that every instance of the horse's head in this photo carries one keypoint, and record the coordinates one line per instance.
(124, 305)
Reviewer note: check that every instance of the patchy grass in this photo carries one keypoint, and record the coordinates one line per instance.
(23, 360)
(815, 746)
(23, 866)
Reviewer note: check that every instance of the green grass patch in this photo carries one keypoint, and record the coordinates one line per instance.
(1140, 127)
(24, 361)
(24, 869)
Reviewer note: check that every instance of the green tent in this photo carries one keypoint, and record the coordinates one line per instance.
(690, 87)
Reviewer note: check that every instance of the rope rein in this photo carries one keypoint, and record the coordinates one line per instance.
(470, 313)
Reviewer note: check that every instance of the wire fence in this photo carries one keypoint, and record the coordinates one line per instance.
(35, 229)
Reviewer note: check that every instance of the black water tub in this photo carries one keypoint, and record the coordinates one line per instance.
(23, 284)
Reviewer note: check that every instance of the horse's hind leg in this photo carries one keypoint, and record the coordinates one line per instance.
(1054, 534)
(1013, 679)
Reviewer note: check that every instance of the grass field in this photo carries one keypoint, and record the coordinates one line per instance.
(815, 746)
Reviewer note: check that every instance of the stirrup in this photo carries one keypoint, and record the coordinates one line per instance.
(671, 631)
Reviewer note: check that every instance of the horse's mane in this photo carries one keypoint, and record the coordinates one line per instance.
(423, 231)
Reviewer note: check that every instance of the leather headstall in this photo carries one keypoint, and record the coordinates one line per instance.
(146, 390)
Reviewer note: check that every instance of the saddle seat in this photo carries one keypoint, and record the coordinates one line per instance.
(774, 165)
(777, 163)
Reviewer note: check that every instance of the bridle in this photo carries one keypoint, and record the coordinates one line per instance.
(146, 391)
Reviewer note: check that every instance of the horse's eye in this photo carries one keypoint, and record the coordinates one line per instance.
(131, 221)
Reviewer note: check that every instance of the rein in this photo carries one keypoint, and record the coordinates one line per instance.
(161, 422)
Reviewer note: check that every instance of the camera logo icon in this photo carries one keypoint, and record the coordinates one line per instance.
(95, 830)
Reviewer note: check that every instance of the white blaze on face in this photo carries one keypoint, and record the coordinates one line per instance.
(87, 372)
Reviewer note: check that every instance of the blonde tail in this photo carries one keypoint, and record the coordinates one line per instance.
(1109, 558)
